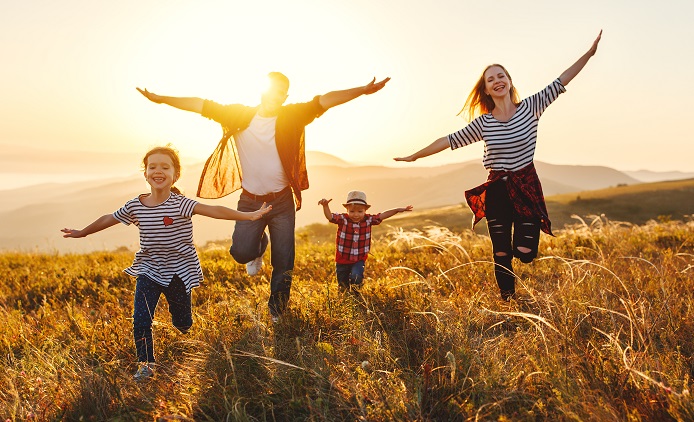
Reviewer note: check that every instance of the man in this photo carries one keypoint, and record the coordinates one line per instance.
(268, 150)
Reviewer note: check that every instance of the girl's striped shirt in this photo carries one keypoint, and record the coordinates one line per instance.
(166, 240)
(509, 145)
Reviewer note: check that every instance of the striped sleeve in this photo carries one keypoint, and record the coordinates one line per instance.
(124, 214)
(540, 101)
(186, 206)
(469, 134)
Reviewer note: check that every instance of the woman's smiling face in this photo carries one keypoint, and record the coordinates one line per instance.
(496, 82)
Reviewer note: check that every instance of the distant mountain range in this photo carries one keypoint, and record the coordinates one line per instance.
(32, 216)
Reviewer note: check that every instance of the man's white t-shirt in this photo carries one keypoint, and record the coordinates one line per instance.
(261, 167)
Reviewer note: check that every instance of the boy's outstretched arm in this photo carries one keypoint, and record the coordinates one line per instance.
(101, 223)
(326, 208)
(390, 213)
(224, 213)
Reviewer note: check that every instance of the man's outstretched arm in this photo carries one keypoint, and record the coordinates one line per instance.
(333, 98)
(193, 104)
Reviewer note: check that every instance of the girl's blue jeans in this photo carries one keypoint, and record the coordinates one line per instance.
(147, 294)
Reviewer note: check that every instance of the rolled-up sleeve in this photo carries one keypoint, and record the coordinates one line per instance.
(219, 112)
(304, 113)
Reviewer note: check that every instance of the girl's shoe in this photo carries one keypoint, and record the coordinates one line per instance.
(144, 372)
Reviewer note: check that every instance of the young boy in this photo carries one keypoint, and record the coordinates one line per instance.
(353, 239)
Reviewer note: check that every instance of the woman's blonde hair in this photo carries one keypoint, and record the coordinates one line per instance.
(173, 154)
(478, 102)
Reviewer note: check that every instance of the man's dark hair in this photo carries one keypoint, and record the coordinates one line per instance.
(277, 77)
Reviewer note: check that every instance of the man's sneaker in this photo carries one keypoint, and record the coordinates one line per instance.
(254, 267)
(275, 319)
(144, 372)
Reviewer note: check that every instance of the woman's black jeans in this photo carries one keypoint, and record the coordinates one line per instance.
(509, 232)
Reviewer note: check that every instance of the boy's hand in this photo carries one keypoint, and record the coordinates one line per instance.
(324, 201)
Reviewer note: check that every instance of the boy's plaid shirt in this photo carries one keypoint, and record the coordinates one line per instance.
(353, 240)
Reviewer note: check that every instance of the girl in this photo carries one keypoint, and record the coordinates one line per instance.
(511, 198)
(167, 262)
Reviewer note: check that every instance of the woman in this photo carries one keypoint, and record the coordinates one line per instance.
(511, 198)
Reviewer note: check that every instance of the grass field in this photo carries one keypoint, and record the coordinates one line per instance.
(607, 334)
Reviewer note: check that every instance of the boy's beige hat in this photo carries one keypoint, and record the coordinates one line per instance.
(356, 197)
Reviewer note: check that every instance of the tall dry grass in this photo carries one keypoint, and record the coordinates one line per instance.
(607, 334)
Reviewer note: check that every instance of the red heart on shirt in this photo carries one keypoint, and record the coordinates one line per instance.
(168, 221)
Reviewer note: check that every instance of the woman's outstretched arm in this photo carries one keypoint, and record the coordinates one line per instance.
(433, 148)
(572, 71)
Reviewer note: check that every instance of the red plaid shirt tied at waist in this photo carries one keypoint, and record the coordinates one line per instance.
(353, 240)
(525, 191)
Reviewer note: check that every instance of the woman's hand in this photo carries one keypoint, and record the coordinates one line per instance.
(594, 47)
(409, 158)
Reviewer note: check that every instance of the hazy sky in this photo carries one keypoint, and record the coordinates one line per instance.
(70, 68)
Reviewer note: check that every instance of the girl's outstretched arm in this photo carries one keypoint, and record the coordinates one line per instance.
(224, 213)
(433, 148)
(326, 208)
(101, 223)
(390, 213)
(571, 72)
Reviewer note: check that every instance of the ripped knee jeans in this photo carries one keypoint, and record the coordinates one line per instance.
(511, 235)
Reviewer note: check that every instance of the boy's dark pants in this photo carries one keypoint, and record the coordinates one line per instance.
(350, 274)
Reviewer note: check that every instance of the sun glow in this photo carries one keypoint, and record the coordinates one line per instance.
(75, 92)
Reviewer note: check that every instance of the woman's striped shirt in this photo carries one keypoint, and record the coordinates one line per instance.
(509, 145)
(166, 240)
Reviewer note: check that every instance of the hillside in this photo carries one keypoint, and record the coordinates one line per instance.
(32, 216)
(634, 203)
